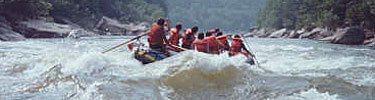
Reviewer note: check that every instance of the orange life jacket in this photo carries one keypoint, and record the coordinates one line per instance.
(174, 37)
(236, 46)
(223, 40)
(213, 45)
(188, 38)
(200, 45)
(212, 31)
(155, 36)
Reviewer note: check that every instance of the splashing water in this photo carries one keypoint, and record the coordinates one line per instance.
(46, 69)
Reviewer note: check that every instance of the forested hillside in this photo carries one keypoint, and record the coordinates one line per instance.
(331, 14)
(85, 12)
(225, 14)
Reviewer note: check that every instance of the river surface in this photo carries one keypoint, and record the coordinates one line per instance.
(67, 69)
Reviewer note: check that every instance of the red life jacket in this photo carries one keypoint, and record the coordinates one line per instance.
(213, 46)
(200, 45)
(212, 31)
(188, 37)
(174, 37)
(236, 45)
(223, 40)
(155, 36)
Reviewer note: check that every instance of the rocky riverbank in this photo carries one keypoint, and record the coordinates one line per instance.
(348, 35)
(16, 30)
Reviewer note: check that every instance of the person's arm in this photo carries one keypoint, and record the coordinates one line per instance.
(165, 39)
(221, 44)
(168, 25)
(193, 46)
(247, 51)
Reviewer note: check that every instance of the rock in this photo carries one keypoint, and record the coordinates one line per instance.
(312, 34)
(301, 31)
(349, 35)
(249, 34)
(369, 34)
(10, 35)
(264, 32)
(251, 29)
(369, 41)
(278, 34)
(293, 34)
(7, 33)
(63, 20)
(286, 35)
(326, 33)
(77, 33)
(311, 27)
(42, 29)
(330, 38)
(107, 26)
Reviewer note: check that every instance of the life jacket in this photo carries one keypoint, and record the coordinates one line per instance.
(236, 46)
(174, 37)
(223, 40)
(188, 37)
(201, 45)
(212, 31)
(155, 36)
(213, 45)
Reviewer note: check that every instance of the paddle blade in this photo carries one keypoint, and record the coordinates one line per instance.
(130, 46)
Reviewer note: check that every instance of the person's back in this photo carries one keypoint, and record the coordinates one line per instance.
(216, 30)
(237, 46)
(189, 37)
(224, 40)
(157, 37)
(200, 44)
(213, 45)
(175, 36)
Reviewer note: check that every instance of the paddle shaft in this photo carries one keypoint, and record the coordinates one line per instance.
(126, 42)
(174, 46)
(248, 47)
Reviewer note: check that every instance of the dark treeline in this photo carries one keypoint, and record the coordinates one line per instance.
(208, 14)
(85, 12)
(332, 14)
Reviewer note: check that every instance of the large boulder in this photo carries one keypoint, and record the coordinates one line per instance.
(108, 26)
(326, 33)
(369, 34)
(79, 32)
(279, 33)
(7, 33)
(369, 41)
(315, 33)
(349, 35)
(42, 29)
(264, 32)
(10, 35)
(293, 34)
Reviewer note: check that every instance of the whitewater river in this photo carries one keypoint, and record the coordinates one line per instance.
(66, 69)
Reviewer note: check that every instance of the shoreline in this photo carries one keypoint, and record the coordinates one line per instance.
(346, 36)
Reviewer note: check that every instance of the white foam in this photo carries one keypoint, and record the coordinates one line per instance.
(311, 94)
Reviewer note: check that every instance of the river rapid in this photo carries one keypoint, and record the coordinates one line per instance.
(68, 69)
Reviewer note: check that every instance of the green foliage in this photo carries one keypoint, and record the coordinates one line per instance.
(208, 14)
(87, 12)
(324, 13)
(29, 8)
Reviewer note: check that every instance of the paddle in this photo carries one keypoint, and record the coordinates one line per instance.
(126, 42)
(254, 57)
